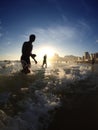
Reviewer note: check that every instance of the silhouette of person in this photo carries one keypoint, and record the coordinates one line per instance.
(44, 61)
(93, 60)
(26, 53)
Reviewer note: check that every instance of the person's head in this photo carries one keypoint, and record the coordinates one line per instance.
(32, 37)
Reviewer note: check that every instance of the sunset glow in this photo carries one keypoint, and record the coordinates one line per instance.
(49, 51)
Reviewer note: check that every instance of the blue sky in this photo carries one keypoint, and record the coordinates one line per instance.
(70, 27)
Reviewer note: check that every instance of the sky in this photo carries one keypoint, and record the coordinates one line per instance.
(66, 27)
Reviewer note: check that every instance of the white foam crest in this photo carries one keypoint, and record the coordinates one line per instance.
(61, 73)
(10, 67)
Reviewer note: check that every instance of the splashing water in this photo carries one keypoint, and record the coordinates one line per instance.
(26, 100)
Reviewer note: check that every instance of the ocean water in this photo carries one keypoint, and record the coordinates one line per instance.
(28, 102)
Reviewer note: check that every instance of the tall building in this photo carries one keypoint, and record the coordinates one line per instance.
(86, 56)
(96, 55)
(92, 55)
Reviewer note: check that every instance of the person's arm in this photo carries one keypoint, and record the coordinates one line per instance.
(35, 61)
(33, 57)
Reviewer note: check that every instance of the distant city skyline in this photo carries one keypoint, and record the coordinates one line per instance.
(66, 27)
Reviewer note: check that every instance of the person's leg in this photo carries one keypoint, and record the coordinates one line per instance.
(46, 64)
(26, 65)
(43, 64)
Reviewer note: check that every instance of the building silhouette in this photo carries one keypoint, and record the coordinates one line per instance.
(87, 57)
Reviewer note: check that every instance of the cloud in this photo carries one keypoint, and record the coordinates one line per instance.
(24, 36)
(96, 41)
(84, 25)
(63, 38)
(9, 43)
(64, 18)
(55, 34)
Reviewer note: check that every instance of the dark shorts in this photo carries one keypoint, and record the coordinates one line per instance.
(25, 62)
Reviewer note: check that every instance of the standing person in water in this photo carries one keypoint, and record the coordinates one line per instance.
(44, 61)
(26, 53)
(93, 62)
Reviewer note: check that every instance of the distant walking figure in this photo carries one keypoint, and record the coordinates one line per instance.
(93, 60)
(44, 61)
(26, 53)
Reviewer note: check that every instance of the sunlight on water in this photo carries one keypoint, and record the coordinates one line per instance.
(27, 99)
